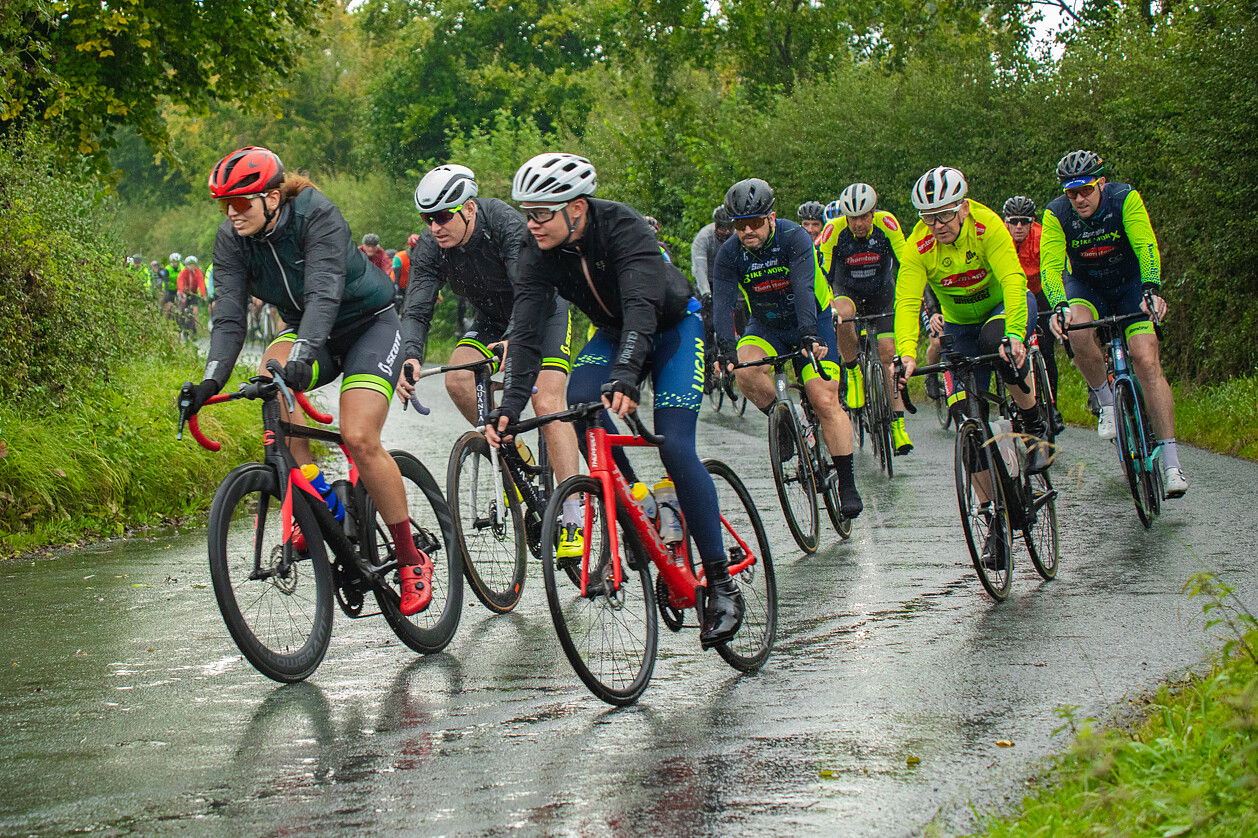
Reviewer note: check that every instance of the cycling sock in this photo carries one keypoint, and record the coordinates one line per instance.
(572, 511)
(843, 466)
(851, 365)
(1170, 453)
(404, 544)
(897, 414)
(1031, 421)
(1104, 395)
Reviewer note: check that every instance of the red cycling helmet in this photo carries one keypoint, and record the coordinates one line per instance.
(246, 171)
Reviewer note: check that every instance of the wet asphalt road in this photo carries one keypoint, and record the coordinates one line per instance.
(127, 709)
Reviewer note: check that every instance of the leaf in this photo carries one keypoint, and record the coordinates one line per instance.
(4, 449)
(140, 585)
(827, 774)
(912, 760)
(1004, 743)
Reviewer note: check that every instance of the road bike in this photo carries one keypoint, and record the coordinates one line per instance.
(604, 604)
(1138, 451)
(794, 428)
(275, 593)
(996, 496)
(874, 418)
(717, 386)
(496, 498)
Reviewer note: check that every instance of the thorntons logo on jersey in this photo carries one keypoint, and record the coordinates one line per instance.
(979, 229)
(771, 285)
(1097, 252)
(827, 233)
(867, 258)
(926, 244)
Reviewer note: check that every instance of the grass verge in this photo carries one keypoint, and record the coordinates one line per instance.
(1189, 768)
(109, 461)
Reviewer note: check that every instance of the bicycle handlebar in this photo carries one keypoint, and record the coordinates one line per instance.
(779, 360)
(1113, 320)
(580, 411)
(258, 387)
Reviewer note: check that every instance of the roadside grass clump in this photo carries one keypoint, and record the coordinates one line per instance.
(1190, 768)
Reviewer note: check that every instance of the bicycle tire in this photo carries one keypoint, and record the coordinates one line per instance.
(1044, 402)
(829, 488)
(609, 637)
(493, 548)
(1150, 471)
(878, 402)
(1041, 536)
(1131, 446)
(432, 629)
(750, 647)
(795, 482)
(715, 391)
(282, 623)
(942, 414)
(741, 401)
(973, 456)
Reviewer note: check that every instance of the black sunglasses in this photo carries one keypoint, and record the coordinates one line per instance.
(441, 217)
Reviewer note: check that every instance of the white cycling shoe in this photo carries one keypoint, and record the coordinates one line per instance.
(1174, 483)
(1106, 423)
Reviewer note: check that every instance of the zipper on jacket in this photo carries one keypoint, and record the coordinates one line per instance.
(284, 277)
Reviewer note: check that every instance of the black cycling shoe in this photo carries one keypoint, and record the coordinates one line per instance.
(722, 613)
(850, 501)
(1059, 424)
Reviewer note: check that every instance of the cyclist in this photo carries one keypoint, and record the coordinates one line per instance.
(963, 251)
(375, 253)
(401, 272)
(1104, 230)
(601, 256)
(832, 210)
(170, 284)
(860, 252)
(285, 242)
(811, 216)
(474, 244)
(771, 263)
(1019, 215)
(704, 247)
(656, 227)
(191, 285)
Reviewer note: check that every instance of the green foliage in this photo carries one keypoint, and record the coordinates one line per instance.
(83, 68)
(69, 310)
(111, 461)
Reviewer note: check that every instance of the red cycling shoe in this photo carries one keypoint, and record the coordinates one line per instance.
(416, 585)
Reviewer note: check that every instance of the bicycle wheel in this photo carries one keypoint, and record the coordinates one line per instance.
(431, 629)
(609, 633)
(792, 473)
(1041, 535)
(750, 647)
(942, 414)
(276, 604)
(488, 524)
(1150, 470)
(1131, 448)
(1044, 402)
(986, 524)
(878, 403)
(715, 390)
(828, 486)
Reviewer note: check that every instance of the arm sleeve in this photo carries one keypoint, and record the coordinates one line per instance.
(642, 275)
(895, 234)
(804, 282)
(421, 298)
(230, 312)
(1052, 259)
(1143, 241)
(324, 250)
(909, 287)
(534, 299)
(1002, 256)
(724, 296)
(514, 237)
(703, 243)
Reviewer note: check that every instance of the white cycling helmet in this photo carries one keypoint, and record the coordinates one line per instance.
(833, 210)
(175, 257)
(858, 199)
(189, 260)
(941, 187)
(445, 187)
(554, 178)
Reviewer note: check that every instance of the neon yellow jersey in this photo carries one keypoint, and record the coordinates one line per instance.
(971, 276)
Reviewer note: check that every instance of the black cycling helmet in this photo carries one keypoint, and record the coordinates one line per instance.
(749, 198)
(811, 211)
(1079, 167)
(720, 217)
(1019, 206)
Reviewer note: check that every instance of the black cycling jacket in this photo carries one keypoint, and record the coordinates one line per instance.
(482, 271)
(307, 267)
(635, 293)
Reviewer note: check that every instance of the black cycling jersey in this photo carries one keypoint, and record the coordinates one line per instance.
(780, 281)
(859, 267)
(307, 267)
(482, 271)
(615, 274)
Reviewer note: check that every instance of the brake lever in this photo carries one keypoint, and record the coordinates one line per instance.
(902, 383)
(277, 373)
(185, 406)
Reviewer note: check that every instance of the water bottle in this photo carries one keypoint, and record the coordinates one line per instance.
(526, 454)
(312, 473)
(642, 497)
(810, 437)
(1002, 430)
(669, 522)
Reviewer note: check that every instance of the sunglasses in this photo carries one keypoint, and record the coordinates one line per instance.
(755, 222)
(1018, 221)
(541, 215)
(938, 219)
(240, 203)
(440, 217)
(1084, 191)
